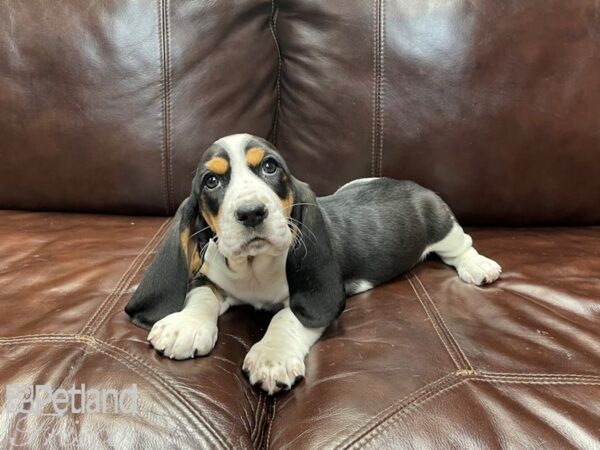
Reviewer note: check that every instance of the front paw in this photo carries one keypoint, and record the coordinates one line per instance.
(179, 336)
(479, 270)
(272, 367)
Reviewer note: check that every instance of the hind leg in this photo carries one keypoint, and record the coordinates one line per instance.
(457, 250)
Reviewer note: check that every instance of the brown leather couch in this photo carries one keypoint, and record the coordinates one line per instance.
(105, 108)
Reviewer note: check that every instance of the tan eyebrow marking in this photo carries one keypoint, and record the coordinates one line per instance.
(254, 156)
(218, 165)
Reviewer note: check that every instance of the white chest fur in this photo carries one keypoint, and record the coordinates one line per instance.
(259, 281)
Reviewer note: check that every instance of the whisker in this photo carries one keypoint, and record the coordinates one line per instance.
(314, 237)
(298, 239)
(200, 231)
(204, 249)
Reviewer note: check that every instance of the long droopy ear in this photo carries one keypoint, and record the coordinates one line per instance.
(164, 286)
(314, 276)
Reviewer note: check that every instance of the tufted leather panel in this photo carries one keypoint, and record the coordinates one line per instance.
(492, 104)
(107, 106)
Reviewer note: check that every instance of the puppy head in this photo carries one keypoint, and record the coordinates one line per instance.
(245, 195)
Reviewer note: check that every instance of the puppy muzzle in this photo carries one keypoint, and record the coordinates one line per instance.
(253, 222)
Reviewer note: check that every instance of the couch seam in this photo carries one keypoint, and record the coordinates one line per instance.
(540, 375)
(126, 285)
(135, 364)
(271, 420)
(445, 327)
(366, 438)
(165, 78)
(32, 338)
(377, 93)
(382, 85)
(258, 414)
(400, 414)
(87, 328)
(436, 326)
(538, 378)
(379, 418)
(374, 89)
(273, 26)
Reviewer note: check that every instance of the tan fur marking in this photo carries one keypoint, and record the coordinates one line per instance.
(190, 251)
(254, 156)
(218, 165)
(286, 205)
(212, 221)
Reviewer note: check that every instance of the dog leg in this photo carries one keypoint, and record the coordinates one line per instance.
(457, 250)
(192, 331)
(276, 362)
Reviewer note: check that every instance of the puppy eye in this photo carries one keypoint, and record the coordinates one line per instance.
(212, 182)
(269, 166)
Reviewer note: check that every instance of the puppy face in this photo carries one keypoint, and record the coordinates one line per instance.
(246, 196)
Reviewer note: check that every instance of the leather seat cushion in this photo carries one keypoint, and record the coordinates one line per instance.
(425, 358)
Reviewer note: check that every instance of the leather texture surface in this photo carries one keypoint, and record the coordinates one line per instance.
(494, 105)
(425, 359)
(107, 106)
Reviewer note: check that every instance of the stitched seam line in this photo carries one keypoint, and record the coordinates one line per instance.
(436, 327)
(378, 53)
(374, 93)
(89, 327)
(169, 105)
(125, 286)
(273, 27)
(443, 325)
(31, 338)
(258, 414)
(398, 415)
(540, 378)
(271, 420)
(381, 417)
(381, 85)
(165, 77)
(132, 362)
(118, 286)
(162, 102)
(541, 375)
(254, 427)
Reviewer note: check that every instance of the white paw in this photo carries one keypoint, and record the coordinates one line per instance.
(479, 270)
(272, 367)
(179, 336)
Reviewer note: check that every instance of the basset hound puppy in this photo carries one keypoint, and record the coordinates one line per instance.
(251, 233)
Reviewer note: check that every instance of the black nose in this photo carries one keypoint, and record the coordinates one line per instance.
(252, 215)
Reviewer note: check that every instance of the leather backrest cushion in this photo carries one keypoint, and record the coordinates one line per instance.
(493, 104)
(107, 106)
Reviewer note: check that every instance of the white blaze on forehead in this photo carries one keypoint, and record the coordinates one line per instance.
(235, 143)
(235, 146)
